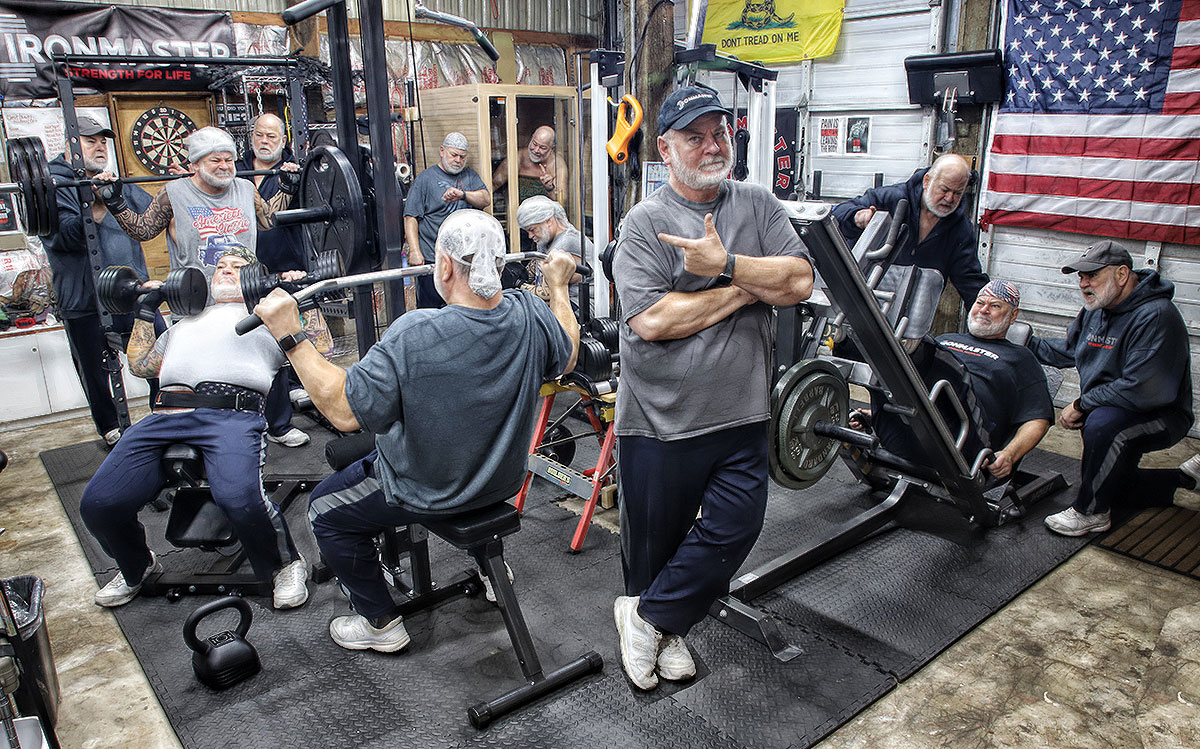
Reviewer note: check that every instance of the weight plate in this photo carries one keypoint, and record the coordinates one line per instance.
(45, 183)
(38, 213)
(116, 287)
(562, 453)
(254, 284)
(329, 180)
(327, 265)
(20, 173)
(186, 291)
(605, 330)
(812, 391)
(595, 361)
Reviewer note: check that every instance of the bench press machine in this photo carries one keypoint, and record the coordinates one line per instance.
(810, 408)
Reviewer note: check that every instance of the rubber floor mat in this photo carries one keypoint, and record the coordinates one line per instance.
(1167, 537)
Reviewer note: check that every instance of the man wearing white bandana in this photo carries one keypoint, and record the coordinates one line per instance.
(480, 361)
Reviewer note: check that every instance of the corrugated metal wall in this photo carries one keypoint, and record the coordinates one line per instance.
(556, 16)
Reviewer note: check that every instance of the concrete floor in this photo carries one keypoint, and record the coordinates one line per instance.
(1104, 651)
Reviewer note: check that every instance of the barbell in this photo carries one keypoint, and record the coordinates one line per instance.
(330, 198)
(257, 282)
(308, 297)
(185, 290)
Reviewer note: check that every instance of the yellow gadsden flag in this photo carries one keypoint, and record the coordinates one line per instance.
(772, 31)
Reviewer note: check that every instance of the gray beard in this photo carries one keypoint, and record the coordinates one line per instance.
(268, 157)
(95, 166)
(214, 181)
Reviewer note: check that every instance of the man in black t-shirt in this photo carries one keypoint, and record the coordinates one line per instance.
(1001, 385)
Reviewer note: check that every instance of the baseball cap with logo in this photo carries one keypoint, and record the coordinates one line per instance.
(89, 125)
(684, 105)
(1103, 253)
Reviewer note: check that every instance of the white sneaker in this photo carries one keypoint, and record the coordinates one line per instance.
(354, 632)
(299, 398)
(118, 593)
(111, 437)
(1072, 523)
(291, 438)
(290, 590)
(674, 660)
(1191, 467)
(488, 592)
(639, 643)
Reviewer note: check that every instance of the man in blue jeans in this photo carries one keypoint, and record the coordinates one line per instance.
(214, 385)
(1130, 346)
(480, 360)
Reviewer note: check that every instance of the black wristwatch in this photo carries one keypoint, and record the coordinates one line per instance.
(289, 342)
(726, 276)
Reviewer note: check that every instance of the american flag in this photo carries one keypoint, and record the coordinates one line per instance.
(1099, 130)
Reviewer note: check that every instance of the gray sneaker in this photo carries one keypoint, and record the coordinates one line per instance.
(1191, 467)
(290, 590)
(1072, 523)
(489, 592)
(675, 660)
(111, 437)
(354, 632)
(639, 643)
(291, 438)
(118, 593)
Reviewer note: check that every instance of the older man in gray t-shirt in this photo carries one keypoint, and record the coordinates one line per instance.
(697, 264)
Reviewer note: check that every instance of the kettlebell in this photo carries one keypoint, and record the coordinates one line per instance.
(223, 659)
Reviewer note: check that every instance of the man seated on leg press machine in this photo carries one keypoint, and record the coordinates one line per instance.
(213, 390)
(450, 393)
(1000, 383)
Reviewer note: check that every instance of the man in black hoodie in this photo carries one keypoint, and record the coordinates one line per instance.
(940, 234)
(1130, 346)
(279, 249)
(71, 275)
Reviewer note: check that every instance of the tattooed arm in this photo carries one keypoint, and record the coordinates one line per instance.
(145, 226)
(145, 355)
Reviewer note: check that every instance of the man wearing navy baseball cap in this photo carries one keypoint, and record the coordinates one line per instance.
(698, 264)
(1130, 346)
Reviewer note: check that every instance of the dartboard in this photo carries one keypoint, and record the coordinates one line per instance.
(157, 138)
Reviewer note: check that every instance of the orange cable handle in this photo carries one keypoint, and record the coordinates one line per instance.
(618, 145)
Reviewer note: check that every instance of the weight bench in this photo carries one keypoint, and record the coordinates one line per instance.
(196, 521)
(810, 408)
(480, 533)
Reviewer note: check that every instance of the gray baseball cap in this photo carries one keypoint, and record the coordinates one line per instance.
(1103, 253)
(89, 125)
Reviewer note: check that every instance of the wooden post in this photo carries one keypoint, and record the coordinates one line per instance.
(655, 68)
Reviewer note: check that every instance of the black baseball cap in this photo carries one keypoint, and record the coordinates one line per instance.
(89, 125)
(684, 105)
(1102, 254)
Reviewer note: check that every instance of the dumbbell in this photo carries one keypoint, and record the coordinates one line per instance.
(257, 283)
(185, 290)
(605, 330)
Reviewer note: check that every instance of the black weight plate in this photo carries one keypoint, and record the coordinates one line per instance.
(40, 206)
(254, 284)
(595, 360)
(186, 291)
(116, 288)
(45, 181)
(605, 330)
(31, 214)
(811, 391)
(562, 453)
(329, 180)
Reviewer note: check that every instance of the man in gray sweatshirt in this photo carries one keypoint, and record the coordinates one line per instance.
(1130, 346)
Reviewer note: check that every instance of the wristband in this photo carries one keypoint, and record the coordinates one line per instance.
(117, 205)
(289, 342)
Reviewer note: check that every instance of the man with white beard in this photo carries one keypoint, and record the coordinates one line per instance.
(698, 264)
(1001, 385)
(940, 233)
(545, 221)
(540, 170)
(280, 248)
(447, 186)
(71, 274)
(214, 385)
(203, 212)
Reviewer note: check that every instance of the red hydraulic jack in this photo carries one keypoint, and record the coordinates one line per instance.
(590, 484)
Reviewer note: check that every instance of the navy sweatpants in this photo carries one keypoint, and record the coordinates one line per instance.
(233, 447)
(1114, 440)
(677, 562)
(85, 337)
(348, 510)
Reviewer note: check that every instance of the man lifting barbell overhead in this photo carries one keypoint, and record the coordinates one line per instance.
(71, 275)
(213, 387)
(481, 360)
(697, 265)
(201, 212)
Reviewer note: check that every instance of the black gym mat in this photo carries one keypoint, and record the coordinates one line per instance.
(1167, 537)
(865, 621)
